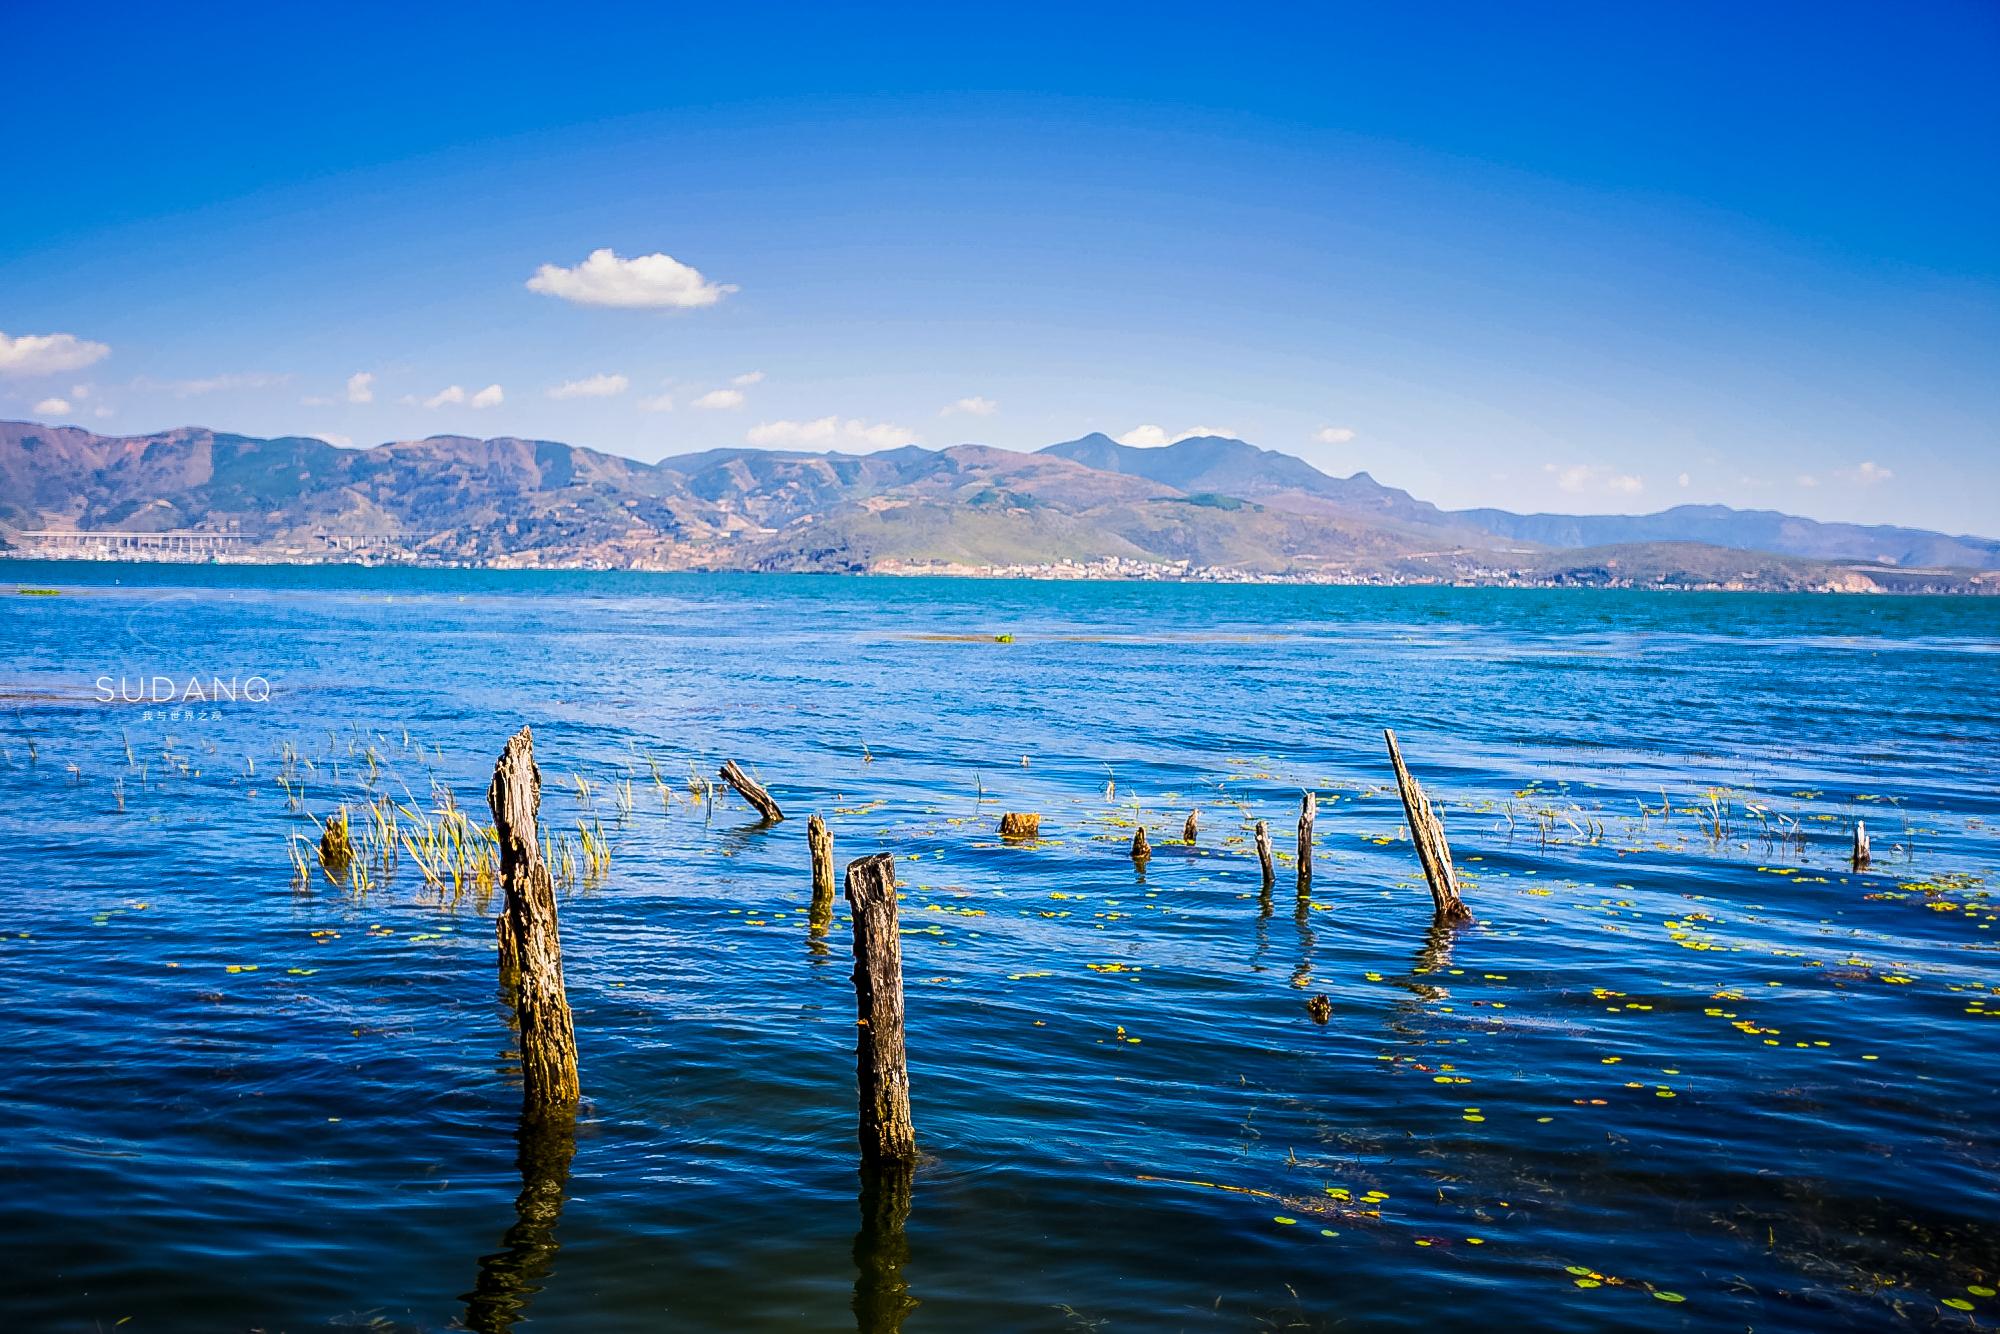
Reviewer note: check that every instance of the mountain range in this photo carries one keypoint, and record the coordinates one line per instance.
(1207, 506)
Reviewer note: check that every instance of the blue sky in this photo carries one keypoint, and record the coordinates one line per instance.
(1578, 258)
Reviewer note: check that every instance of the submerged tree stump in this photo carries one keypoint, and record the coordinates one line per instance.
(819, 839)
(1020, 824)
(881, 1066)
(530, 947)
(1142, 851)
(1861, 846)
(1264, 861)
(1308, 812)
(1189, 830)
(1427, 832)
(751, 791)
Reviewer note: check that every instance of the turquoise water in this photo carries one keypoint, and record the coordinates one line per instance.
(1686, 1071)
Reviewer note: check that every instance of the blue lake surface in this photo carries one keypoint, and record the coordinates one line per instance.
(1687, 1070)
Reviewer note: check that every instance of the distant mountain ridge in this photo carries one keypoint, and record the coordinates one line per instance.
(1207, 503)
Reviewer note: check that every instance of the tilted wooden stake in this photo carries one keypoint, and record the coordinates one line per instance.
(1020, 824)
(530, 947)
(820, 840)
(1142, 851)
(1308, 812)
(881, 1068)
(1427, 832)
(1188, 830)
(1264, 856)
(749, 789)
(1861, 846)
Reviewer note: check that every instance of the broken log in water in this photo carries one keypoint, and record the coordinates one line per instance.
(1308, 812)
(1189, 830)
(751, 791)
(530, 947)
(1427, 832)
(1861, 846)
(819, 839)
(1264, 856)
(1142, 851)
(880, 1065)
(1020, 824)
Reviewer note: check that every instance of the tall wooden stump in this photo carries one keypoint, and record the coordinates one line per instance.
(820, 840)
(881, 1068)
(1264, 862)
(751, 791)
(1021, 824)
(1308, 812)
(1142, 851)
(530, 947)
(1189, 830)
(1861, 846)
(1427, 832)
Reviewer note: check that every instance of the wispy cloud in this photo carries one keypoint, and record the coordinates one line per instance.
(48, 354)
(485, 398)
(720, 398)
(975, 406)
(1867, 473)
(332, 439)
(361, 387)
(593, 386)
(658, 403)
(644, 282)
(1334, 435)
(52, 407)
(748, 378)
(212, 384)
(830, 430)
(1590, 479)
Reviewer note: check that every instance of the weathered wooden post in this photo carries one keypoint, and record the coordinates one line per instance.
(1264, 856)
(1020, 824)
(880, 1064)
(1308, 812)
(530, 946)
(1188, 830)
(1427, 832)
(1142, 851)
(820, 840)
(751, 791)
(1861, 846)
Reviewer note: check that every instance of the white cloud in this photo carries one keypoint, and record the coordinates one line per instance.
(52, 407)
(830, 430)
(1581, 478)
(1151, 437)
(642, 282)
(1686, 481)
(658, 403)
(1334, 435)
(595, 386)
(79, 392)
(449, 394)
(748, 378)
(720, 398)
(333, 439)
(101, 411)
(972, 407)
(1867, 473)
(47, 354)
(360, 387)
(316, 401)
(488, 397)
(1807, 480)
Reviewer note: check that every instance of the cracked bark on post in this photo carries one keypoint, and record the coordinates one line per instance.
(881, 1065)
(751, 791)
(1308, 812)
(530, 945)
(1427, 832)
(1264, 856)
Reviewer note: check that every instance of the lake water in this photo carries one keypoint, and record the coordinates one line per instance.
(1686, 1071)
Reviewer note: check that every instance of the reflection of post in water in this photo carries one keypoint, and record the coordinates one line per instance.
(511, 1276)
(1302, 919)
(881, 1296)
